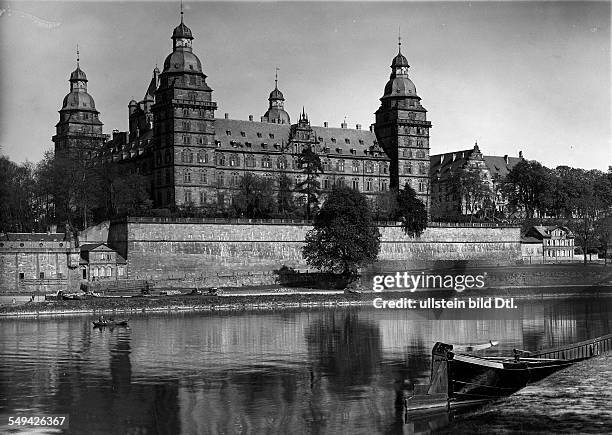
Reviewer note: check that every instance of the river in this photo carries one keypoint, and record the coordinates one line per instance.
(323, 370)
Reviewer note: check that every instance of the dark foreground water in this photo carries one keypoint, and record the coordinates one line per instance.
(310, 371)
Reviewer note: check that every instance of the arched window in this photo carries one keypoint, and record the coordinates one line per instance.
(408, 168)
(94, 271)
(187, 176)
(265, 162)
(281, 163)
(234, 160)
(203, 177)
(249, 161)
(109, 271)
(356, 166)
(421, 168)
(220, 160)
(235, 180)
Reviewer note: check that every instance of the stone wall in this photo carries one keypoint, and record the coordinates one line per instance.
(156, 248)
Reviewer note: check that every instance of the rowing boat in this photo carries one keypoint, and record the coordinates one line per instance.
(111, 323)
(462, 379)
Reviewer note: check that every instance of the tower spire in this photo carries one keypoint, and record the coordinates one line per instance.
(78, 57)
(276, 78)
(399, 39)
(181, 11)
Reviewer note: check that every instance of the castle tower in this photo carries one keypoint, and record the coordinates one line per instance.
(183, 123)
(402, 130)
(276, 110)
(79, 130)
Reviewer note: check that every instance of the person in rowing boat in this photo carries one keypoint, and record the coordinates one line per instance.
(102, 319)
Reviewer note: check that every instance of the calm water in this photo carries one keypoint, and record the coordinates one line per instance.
(311, 371)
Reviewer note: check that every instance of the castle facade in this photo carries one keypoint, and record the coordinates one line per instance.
(192, 157)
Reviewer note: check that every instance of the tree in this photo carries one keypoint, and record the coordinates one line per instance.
(411, 212)
(285, 203)
(344, 236)
(526, 187)
(310, 162)
(254, 199)
(471, 189)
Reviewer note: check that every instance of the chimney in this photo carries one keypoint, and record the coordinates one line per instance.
(226, 116)
(506, 158)
(325, 124)
(251, 118)
(358, 126)
(520, 154)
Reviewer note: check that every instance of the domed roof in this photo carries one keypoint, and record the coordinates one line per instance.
(399, 60)
(277, 116)
(78, 101)
(400, 87)
(276, 95)
(182, 31)
(133, 103)
(78, 74)
(182, 61)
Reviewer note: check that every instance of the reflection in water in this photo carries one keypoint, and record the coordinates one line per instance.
(328, 370)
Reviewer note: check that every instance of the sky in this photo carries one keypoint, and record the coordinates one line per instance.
(515, 76)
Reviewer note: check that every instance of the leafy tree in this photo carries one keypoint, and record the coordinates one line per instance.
(284, 199)
(411, 212)
(344, 236)
(311, 166)
(254, 199)
(526, 187)
(384, 206)
(472, 190)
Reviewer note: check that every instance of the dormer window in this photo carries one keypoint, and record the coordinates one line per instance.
(338, 150)
(333, 139)
(243, 134)
(247, 144)
(271, 135)
(259, 134)
(360, 141)
(347, 141)
(264, 144)
(228, 132)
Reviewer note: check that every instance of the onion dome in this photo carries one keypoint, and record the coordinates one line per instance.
(276, 95)
(399, 84)
(182, 31)
(78, 74)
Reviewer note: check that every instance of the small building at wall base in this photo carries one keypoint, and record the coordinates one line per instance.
(38, 262)
(547, 244)
(100, 262)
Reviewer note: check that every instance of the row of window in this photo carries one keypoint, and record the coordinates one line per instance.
(558, 242)
(419, 154)
(41, 275)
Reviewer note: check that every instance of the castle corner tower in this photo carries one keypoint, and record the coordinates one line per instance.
(183, 123)
(79, 130)
(402, 130)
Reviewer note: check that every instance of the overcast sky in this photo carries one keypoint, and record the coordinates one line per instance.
(513, 76)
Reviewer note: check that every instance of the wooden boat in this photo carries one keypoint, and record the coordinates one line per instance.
(111, 323)
(460, 379)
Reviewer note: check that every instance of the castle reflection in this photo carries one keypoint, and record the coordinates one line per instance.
(328, 370)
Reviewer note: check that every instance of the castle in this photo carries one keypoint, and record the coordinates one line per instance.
(191, 157)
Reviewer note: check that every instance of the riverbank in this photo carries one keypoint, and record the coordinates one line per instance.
(282, 298)
(574, 400)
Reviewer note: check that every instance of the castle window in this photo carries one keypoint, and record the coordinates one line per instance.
(326, 183)
(228, 132)
(383, 185)
(265, 162)
(355, 184)
(281, 163)
(407, 168)
(340, 182)
(271, 135)
(185, 112)
(360, 141)
(168, 156)
(247, 144)
(220, 178)
(235, 180)
(168, 176)
(347, 141)
(421, 168)
(243, 134)
(325, 165)
(234, 160)
(186, 140)
(220, 160)
(355, 166)
(340, 165)
(202, 157)
(259, 134)
(370, 167)
(369, 184)
(202, 197)
(187, 176)
(333, 139)
(188, 196)
(203, 177)
(249, 161)
(421, 186)
(186, 125)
